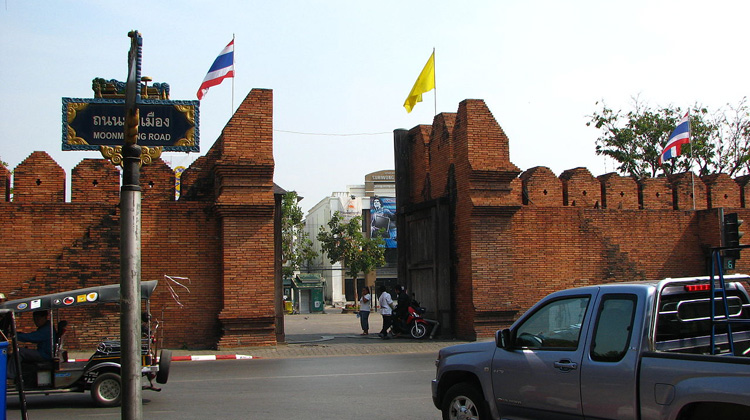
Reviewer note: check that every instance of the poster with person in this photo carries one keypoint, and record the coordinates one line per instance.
(383, 219)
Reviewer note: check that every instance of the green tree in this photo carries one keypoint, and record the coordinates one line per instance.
(719, 141)
(731, 140)
(634, 138)
(344, 242)
(296, 246)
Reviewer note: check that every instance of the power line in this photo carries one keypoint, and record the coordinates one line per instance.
(332, 134)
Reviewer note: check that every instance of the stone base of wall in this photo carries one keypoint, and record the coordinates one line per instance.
(245, 332)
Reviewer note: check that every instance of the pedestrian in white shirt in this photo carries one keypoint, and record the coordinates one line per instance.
(386, 310)
(364, 310)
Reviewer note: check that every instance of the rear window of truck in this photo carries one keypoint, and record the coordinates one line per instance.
(684, 321)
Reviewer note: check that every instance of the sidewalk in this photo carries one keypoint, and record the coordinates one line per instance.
(322, 334)
(337, 334)
(332, 334)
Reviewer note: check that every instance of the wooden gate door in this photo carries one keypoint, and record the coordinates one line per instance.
(427, 260)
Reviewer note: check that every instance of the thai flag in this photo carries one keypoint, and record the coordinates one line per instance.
(680, 136)
(222, 68)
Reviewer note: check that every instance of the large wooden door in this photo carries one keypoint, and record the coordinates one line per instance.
(427, 259)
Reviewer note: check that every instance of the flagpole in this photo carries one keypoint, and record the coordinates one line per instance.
(434, 77)
(234, 73)
(692, 156)
(692, 176)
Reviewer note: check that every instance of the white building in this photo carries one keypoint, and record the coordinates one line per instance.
(350, 203)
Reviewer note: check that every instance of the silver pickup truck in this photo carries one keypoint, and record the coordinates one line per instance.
(641, 350)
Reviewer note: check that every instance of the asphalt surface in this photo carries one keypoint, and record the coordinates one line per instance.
(320, 366)
(332, 333)
(381, 386)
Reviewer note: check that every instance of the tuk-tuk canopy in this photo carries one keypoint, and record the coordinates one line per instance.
(87, 296)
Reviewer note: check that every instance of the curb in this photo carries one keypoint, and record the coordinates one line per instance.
(201, 357)
(212, 357)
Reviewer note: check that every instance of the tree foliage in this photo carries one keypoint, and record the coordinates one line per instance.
(296, 246)
(344, 242)
(719, 141)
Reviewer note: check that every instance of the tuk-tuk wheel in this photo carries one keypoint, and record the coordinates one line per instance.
(165, 360)
(107, 390)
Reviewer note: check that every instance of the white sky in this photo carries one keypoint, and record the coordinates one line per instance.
(346, 67)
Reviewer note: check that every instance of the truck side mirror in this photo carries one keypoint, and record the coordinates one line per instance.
(502, 338)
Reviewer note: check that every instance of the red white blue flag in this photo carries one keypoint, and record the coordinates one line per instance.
(222, 68)
(680, 136)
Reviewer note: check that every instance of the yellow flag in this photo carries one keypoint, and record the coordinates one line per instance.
(425, 83)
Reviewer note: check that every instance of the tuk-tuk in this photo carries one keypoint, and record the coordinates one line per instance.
(101, 373)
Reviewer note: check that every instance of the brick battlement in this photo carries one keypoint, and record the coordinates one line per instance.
(434, 153)
(39, 179)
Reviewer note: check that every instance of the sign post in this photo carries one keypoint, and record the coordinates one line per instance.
(130, 243)
(115, 126)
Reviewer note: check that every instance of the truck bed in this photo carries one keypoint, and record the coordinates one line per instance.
(669, 382)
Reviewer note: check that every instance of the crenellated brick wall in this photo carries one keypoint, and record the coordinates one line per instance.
(519, 236)
(619, 192)
(95, 180)
(219, 234)
(688, 192)
(581, 189)
(39, 179)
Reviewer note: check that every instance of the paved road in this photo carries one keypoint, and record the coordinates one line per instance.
(326, 370)
(324, 388)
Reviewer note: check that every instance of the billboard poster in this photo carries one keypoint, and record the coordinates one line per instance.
(383, 219)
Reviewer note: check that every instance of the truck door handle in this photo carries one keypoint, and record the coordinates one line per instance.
(566, 365)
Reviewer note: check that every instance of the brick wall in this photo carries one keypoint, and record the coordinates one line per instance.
(420, 187)
(219, 234)
(4, 183)
(95, 180)
(541, 187)
(518, 238)
(39, 179)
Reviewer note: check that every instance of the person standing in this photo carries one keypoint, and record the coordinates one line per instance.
(386, 311)
(364, 310)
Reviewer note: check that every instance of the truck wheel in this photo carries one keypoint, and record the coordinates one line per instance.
(418, 330)
(165, 360)
(464, 401)
(107, 390)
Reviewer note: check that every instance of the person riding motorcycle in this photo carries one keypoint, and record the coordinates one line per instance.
(402, 311)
